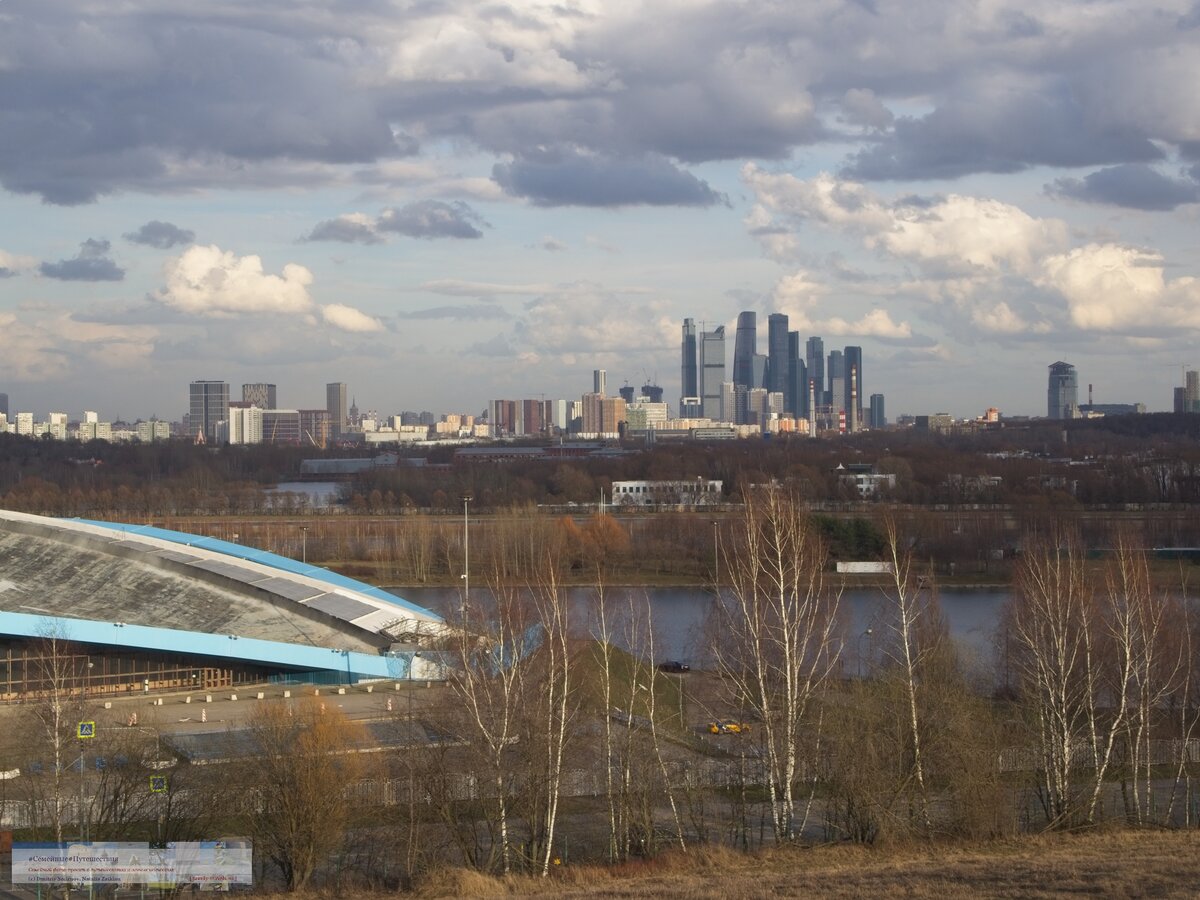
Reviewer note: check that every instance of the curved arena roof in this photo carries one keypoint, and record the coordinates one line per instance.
(149, 588)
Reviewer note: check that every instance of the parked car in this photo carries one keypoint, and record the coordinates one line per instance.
(674, 666)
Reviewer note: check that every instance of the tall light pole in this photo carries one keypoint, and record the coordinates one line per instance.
(466, 502)
(304, 544)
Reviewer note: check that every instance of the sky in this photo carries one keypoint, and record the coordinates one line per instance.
(443, 202)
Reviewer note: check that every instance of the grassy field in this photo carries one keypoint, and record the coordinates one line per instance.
(1113, 863)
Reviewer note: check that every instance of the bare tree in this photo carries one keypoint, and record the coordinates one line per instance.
(297, 781)
(778, 641)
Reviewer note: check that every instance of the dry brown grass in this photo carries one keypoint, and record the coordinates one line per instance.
(1115, 863)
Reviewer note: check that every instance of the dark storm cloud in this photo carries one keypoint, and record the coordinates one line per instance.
(92, 263)
(96, 101)
(154, 97)
(432, 219)
(162, 235)
(1133, 186)
(999, 132)
(573, 178)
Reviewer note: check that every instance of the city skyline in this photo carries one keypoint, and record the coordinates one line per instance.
(447, 203)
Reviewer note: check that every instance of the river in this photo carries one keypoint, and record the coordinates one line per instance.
(680, 616)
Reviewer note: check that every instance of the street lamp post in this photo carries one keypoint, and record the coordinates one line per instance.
(304, 544)
(466, 501)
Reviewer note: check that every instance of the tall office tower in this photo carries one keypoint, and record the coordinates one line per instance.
(779, 357)
(600, 382)
(836, 376)
(335, 403)
(745, 344)
(209, 404)
(689, 383)
(3, 404)
(261, 395)
(815, 353)
(759, 370)
(853, 357)
(712, 371)
(626, 392)
(878, 419)
(795, 391)
(1062, 400)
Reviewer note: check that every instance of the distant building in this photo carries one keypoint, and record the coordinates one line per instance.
(745, 345)
(316, 427)
(712, 372)
(689, 379)
(1112, 409)
(261, 395)
(335, 405)
(4, 405)
(1062, 393)
(1187, 398)
(281, 426)
(815, 352)
(209, 404)
(878, 416)
(684, 492)
(600, 382)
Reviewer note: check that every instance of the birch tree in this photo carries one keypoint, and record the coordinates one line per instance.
(778, 644)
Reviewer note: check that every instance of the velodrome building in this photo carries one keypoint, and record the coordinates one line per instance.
(109, 610)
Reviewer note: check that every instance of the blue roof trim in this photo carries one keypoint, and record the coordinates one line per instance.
(193, 643)
(262, 557)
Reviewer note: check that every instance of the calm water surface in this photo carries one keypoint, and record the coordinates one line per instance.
(680, 616)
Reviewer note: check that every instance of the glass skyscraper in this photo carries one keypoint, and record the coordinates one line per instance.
(1062, 393)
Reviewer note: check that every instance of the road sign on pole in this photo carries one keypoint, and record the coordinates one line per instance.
(158, 784)
(86, 730)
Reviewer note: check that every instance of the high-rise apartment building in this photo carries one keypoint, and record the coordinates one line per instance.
(1062, 393)
(689, 379)
(600, 382)
(1191, 393)
(745, 346)
(779, 359)
(208, 405)
(262, 395)
(335, 405)
(712, 371)
(3, 404)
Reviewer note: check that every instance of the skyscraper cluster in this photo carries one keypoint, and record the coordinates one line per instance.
(792, 378)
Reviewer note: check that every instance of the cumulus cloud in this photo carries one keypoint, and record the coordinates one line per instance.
(1113, 288)
(429, 219)
(11, 264)
(1134, 186)
(347, 318)
(210, 282)
(92, 263)
(162, 235)
(954, 232)
(997, 268)
(572, 177)
(799, 295)
(862, 107)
